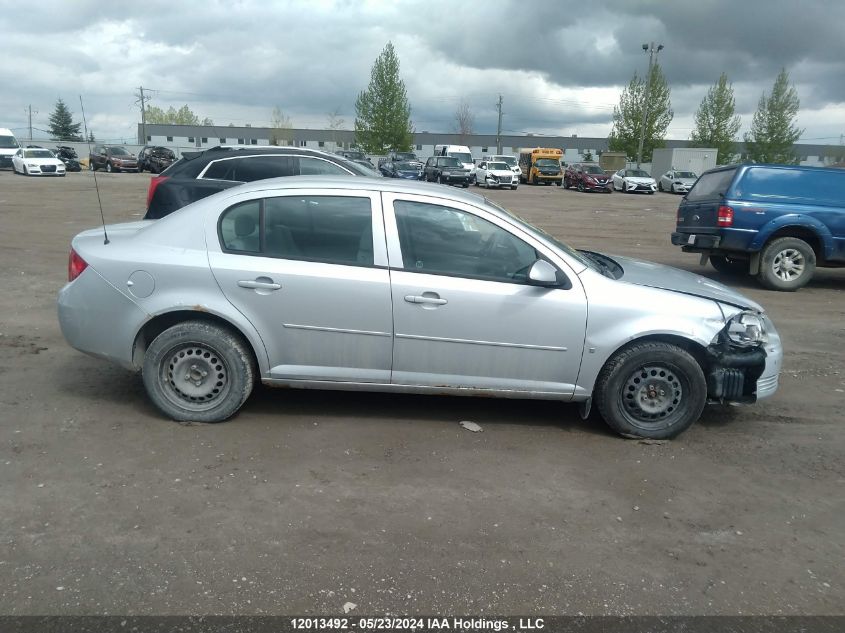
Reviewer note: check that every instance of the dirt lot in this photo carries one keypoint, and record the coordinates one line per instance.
(308, 500)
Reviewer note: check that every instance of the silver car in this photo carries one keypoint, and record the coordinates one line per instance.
(386, 285)
(677, 181)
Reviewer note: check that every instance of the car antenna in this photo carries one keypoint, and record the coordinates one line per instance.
(94, 171)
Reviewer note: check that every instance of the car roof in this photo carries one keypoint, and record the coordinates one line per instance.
(360, 183)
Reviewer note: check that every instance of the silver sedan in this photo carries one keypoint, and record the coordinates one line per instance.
(385, 285)
(677, 181)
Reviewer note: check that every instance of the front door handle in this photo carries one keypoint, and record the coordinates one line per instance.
(259, 284)
(435, 300)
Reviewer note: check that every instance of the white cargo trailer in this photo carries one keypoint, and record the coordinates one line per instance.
(696, 159)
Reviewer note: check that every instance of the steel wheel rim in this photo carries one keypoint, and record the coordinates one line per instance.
(789, 264)
(194, 376)
(652, 396)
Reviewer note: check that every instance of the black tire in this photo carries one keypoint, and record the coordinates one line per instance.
(673, 188)
(109, 168)
(513, 187)
(534, 179)
(786, 264)
(624, 187)
(652, 390)
(580, 186)
(91, 166)
(729, 265)
(440, 179)
(194, 350)
(660, 185)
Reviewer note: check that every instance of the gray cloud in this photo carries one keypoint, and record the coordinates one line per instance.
(560, 70)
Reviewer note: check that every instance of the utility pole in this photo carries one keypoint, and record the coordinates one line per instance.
(29, 109)
(143, 115)
(499, 127)
(652, 53)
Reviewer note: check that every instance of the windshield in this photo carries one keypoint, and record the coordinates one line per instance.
(405, 166)
(593, 169)
(448, 161)
(8, 141)
(509, 160)
(548, 162)
(38, 153)
(118, 151)
(684, 174)
(498, 166)
(636, 173)
(461, 156)
(405, 156)
(67, 151)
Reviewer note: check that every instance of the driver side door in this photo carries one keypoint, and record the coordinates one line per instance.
(464, 313)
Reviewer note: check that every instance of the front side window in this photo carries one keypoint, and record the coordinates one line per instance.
(318, 167)
(446, 241)
(330, 229)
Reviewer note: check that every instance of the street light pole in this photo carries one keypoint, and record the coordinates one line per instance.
(652, 53)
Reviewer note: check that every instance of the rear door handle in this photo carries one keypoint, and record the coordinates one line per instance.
(423, 299)
(259, 285)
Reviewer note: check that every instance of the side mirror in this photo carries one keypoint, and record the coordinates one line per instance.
(542, 273)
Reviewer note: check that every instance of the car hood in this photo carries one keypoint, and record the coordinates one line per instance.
(43, 161)
(643, 273)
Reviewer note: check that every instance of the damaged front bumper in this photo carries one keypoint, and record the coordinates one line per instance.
(744, 374)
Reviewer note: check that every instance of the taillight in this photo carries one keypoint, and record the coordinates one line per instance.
(155, 181)
(725, 216)
(75, 265)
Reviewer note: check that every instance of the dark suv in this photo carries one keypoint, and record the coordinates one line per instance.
(155, 159)
(447, 170)
(200, 174)
(587, 177)
(112, 158)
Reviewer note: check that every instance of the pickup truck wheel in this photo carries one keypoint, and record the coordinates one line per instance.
(729, 265)
(786, 264)
(653, 390)
(198, 372)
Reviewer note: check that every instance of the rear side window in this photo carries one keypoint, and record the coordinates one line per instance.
(317, 167)
(793, 185)
(250, 168)
(330, 229)
(712, 185)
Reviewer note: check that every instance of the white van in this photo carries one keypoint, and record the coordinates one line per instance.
(8, 146)
(461, 152)
(510, 159)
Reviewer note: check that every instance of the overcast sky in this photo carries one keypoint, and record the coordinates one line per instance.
(559, 65)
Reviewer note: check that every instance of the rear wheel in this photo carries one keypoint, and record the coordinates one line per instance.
(729, 265)
(786, 263)
(198, 372)
(654, 390)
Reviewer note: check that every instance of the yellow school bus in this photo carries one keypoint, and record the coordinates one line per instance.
(540, 164)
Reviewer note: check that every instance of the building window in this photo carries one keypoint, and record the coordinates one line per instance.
(240, 141)
(169, 139)
(253, 141)
(149, 139)
(190, 139)
(320, 144)
(204, 140)
(483, 149)
(303, 143)
(419, 148)
(223, 141)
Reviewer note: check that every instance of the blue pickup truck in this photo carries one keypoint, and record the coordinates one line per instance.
(778, 222)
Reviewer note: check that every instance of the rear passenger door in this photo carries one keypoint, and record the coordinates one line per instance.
(309, 270)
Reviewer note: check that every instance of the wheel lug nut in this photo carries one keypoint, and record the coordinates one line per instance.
(194, 367)
(204, 373)
(187, 376)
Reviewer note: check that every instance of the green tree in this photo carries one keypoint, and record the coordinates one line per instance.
(282, 128)
(628, 115)
(172, 116)
(716, 124)
(773, 131)
(62, 126)
(382, 111)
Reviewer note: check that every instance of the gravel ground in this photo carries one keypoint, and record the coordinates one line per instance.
(308, 500)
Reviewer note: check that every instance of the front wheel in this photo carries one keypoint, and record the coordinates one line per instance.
(109, 168)
(660, 186)
(198, 372)
(653, 390)
(513, 187)
(786, 263)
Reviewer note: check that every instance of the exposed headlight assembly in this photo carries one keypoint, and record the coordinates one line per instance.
(746, 329)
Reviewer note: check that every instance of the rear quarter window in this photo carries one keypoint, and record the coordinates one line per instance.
(712, 185)
(821, 187)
